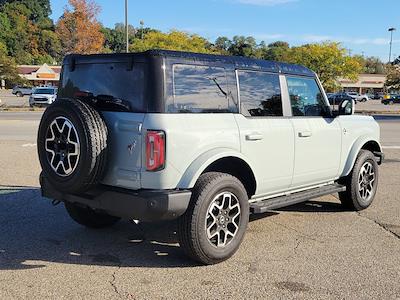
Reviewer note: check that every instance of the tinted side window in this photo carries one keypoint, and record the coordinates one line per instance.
(260, 94)
(110, 85)
(306, 97)
(199, 89)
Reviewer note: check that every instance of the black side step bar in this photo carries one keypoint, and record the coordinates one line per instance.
(263, 206)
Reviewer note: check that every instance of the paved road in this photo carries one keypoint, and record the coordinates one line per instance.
(313, 250)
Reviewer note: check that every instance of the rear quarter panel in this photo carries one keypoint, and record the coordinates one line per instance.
(188, 136)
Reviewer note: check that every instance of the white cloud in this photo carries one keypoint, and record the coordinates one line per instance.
(265, 2)
(312, 38)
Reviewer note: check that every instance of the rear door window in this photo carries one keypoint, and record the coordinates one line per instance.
(198, 89)
(260, 94)
(111, 86)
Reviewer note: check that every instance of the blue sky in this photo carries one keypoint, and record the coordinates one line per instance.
(360, 25)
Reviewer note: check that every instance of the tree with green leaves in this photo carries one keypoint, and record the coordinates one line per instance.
(393, 77)
(243, 46)
(38, 9)
(329, 60)
(371, 65)
(8, 68)
(28, 32)
(173, 40)
(276, 51)
(114, 38)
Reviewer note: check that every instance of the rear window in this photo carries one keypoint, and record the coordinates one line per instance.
(111, 86)
(198, 89)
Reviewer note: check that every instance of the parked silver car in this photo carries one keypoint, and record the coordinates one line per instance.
(43, 96)
(358, 97)
(21, 91)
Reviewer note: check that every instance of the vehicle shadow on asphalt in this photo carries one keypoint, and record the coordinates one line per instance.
(34, 234)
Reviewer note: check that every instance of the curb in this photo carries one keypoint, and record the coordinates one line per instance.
(377, 112)
(20, 109)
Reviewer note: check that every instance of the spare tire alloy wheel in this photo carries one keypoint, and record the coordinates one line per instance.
(62, 146)
(223, 219)
(72, 146)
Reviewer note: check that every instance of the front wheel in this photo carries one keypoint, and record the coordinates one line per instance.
(362, 183)
(213, 227)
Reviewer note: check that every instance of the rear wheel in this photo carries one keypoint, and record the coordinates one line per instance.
(19, 94)
(213, 227)
(361, 183)
(88, 217)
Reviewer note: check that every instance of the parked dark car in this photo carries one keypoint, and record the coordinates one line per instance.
(21, 91)
(392, 100)
(378, 96)
(335, 99)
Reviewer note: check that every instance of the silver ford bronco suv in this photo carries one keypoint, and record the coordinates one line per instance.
(204, 139)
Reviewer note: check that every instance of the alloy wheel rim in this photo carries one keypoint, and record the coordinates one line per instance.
(62, 146)
(223, 219)
(366, 181)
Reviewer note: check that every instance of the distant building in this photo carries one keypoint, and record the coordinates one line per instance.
(40, 75)
(366, 83)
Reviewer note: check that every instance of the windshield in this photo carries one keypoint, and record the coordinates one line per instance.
(45, 91)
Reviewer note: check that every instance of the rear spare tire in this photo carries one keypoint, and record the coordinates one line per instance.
(72, 145)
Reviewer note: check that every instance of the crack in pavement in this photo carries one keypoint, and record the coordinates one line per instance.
(383, 226)
(114, 281)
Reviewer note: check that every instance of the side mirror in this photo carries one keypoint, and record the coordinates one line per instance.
(346, 107)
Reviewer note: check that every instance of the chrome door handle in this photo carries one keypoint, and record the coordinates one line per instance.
(305, 133)
(254, 137)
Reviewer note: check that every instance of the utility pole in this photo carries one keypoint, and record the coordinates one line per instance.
(126, 27)
(391, 29)
(141, 29)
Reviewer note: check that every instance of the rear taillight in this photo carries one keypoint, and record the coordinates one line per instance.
(155, 150)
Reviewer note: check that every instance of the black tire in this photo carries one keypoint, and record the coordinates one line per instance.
(92, 133)
(19, 94)
(192, 230)
(391, 102)
(88, 217)
(352, 198)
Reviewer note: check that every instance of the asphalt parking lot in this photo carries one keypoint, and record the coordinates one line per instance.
(314, 250)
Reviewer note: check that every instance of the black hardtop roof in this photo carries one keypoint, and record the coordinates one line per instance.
(239, 62)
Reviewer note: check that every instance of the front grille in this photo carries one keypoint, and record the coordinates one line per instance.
(40, 99)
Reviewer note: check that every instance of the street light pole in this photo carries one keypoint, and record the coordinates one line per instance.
(391, 29)
(126, 26)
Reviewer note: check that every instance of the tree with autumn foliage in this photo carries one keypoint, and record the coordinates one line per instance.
(78, 28)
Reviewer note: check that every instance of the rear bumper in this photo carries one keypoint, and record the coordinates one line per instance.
(143, 205)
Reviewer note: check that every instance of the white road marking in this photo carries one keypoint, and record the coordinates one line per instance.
(391, 147)
(29, 145)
